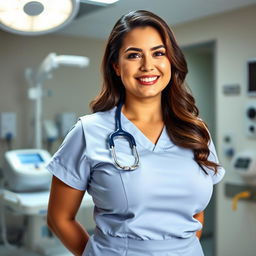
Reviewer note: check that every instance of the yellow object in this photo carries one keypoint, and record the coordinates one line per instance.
(237, 197)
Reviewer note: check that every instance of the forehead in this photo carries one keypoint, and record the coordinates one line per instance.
(142, 37)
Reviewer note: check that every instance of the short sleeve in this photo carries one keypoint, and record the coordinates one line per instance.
(69, 163)
(214, 158)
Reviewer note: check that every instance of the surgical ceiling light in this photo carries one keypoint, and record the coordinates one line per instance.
(104, 1)
(26, 17)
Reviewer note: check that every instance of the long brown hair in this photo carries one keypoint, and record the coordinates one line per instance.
(180, 113)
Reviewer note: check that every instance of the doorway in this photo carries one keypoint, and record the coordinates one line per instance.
(201, 80)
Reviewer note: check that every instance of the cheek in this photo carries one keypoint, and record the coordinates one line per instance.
(166, 68)
(127, 70)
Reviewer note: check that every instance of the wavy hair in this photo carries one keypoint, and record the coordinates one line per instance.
(180, 113)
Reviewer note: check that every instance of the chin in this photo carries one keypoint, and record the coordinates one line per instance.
(150, 95)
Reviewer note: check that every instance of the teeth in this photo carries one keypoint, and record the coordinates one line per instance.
(148, 79)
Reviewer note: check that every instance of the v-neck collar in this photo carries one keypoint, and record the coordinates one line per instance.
(163, 142)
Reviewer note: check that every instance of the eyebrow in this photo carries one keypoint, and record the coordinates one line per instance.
(140, 50)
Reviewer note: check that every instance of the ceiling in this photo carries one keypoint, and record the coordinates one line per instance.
(99, 23)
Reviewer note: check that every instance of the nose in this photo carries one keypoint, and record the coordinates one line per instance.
(147, 63)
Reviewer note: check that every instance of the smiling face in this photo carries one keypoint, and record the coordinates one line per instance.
(143, 65)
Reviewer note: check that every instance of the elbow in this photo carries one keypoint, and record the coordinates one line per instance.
(55, 222)
(50, 222)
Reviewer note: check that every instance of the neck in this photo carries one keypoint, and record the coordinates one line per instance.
(148, 110)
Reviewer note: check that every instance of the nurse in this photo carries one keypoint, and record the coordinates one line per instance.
(157, 208)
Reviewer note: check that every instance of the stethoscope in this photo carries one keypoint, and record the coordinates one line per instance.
(120, 132)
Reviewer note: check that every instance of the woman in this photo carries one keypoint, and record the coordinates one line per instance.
(154, 205)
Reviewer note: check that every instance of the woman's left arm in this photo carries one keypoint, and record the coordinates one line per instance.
(200, 217)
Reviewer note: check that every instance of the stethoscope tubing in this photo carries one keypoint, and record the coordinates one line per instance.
(120, 132)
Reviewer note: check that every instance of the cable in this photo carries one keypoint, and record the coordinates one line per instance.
(237, 197)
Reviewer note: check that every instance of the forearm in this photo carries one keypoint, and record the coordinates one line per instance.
(72, 235)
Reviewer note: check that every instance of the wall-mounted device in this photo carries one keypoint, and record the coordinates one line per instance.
(228, 145)
(250, 120)
(7, 125)
(50, 130)
(251, 77)
(244, 163)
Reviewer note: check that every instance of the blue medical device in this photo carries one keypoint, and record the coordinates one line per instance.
(120, 132)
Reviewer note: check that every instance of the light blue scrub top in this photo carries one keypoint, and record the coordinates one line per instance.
(156, 201)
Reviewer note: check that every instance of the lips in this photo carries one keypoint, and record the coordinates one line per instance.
(147, 80)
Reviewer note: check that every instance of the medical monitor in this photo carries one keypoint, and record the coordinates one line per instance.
(25, 170)
(251, 76)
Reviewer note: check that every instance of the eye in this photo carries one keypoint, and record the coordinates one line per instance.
(134, 55)
(159, 53)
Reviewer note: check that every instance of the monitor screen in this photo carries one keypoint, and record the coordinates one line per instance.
(30, 158)
(252, 76)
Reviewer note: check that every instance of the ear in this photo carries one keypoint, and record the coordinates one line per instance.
(116, 68)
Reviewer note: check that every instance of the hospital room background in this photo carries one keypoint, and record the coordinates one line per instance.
(220, 49)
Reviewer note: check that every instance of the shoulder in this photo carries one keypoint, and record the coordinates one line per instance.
(98, 122)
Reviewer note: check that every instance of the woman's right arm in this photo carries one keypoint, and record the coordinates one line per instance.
(64, 203)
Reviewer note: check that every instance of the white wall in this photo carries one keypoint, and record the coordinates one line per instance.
(235, 35)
